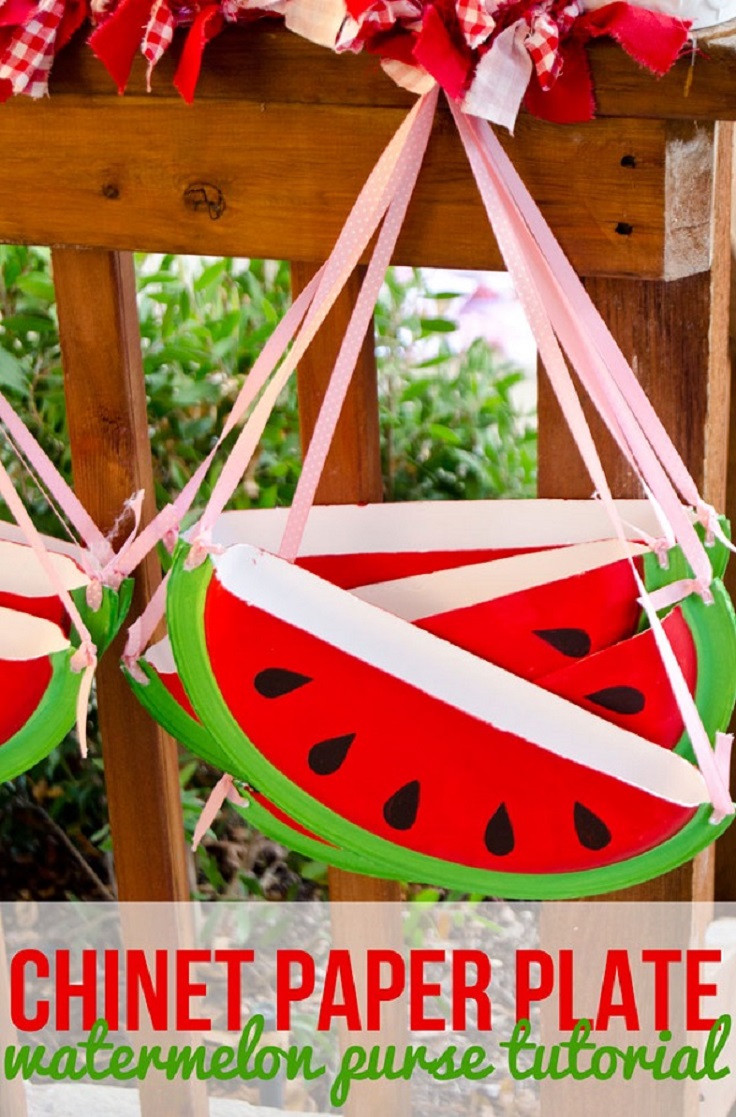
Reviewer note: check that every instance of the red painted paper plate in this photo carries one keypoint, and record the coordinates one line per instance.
(386, 739)
(37, 643)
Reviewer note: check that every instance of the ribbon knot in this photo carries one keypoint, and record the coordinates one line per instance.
(85, 660)
(661, 549)
(93, 594)
(708, 517)
(202, 546)
(84, 657)
(170, 539)
(134, 670)
(101, 563)
(132, 652)
(223, 790)
(701, 586)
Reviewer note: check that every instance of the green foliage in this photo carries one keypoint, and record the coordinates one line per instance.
(202, 327)
(450, 425)
(451, 428)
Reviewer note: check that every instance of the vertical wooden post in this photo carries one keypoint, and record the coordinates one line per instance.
(726, 857)
(353, 470)
(108, 430)
(353, 475)
(676, 333)
(111, 457)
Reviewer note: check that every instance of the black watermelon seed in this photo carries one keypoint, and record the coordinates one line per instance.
(500, 833)
(619, 699)
(592, 832)
(400, 811)
(275, 682)
(327, 756)
(573, 642)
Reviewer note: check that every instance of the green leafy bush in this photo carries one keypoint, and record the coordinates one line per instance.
(450, 425)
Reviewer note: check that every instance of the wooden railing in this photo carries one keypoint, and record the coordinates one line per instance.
(267, 163)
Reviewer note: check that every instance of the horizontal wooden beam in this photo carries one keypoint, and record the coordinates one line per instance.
(275, 179)
(266, 63)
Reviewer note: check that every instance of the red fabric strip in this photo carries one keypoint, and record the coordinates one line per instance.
(15, 13)
(652, 39)
(357, 8)
(570, 100)
(75, 13)
(208, 23)
(443, 58)
(116, 41)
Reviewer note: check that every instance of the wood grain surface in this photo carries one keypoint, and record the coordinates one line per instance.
(277, 180)
(111, 459)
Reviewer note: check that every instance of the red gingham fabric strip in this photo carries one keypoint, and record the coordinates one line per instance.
(543, 44)
(567, 16)
(476, 21)
(158, 36)
(26, 62)
(378, 17)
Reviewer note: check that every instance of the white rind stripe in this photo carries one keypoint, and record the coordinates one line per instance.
(161, 657)
(426, 595)
(439, 525)
(24, 637)
(454, 676)
(21, 572)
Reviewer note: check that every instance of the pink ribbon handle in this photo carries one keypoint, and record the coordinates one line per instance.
(169, 518)
(368, 211)
(62, 494)
(599, 333)
(525, 264)
(85, 657)
(568, 302)
(360, 320)
(265, 381)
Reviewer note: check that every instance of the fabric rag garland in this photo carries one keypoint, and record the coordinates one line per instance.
(489, 56)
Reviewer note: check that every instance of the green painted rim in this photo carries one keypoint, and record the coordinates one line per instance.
(48, 724)
(104, 623)
(713, 629)
(162, 705)
(56, 713)
(185, 613)
(678, 567)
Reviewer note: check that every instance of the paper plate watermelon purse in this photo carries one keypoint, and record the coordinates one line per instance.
(518, 698)
(60, 606)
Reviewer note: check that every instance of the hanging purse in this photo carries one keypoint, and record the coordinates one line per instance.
(60, 606)
(518, 698)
